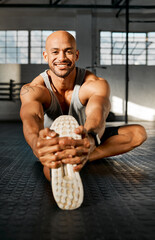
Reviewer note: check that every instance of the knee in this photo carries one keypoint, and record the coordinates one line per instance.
(139, 135)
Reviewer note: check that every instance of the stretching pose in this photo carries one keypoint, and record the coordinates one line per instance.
(64, 89)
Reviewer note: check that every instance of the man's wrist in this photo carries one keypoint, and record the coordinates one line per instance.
(95, 137)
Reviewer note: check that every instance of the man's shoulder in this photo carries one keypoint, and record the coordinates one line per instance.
(34, 91)
(37, 85)
(94, 85)
(39, 80)
(93, 80)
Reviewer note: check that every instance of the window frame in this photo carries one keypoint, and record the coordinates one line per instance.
(146, 49)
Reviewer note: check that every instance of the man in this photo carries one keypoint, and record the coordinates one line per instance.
(65, 89)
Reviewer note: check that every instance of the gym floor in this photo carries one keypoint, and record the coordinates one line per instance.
(119, 201)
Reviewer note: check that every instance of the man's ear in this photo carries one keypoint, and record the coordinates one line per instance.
(45, 56)
(77, 55)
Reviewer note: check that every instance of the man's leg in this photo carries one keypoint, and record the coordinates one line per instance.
(128, 138)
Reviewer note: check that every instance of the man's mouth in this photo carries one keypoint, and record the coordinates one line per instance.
(62, 65)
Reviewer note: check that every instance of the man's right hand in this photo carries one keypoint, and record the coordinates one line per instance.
(47, 146)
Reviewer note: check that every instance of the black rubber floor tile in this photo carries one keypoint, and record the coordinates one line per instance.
(119, 200)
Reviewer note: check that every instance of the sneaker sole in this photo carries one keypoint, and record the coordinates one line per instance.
(66, 184)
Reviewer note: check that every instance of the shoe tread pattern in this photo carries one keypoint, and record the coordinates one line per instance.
(66, 184)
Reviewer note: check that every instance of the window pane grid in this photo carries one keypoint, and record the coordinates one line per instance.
(141, 49)
(105, 48)
(12, 45)
(151, 48)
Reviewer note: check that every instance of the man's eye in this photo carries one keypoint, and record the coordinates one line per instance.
(69, 51)
(55, 52)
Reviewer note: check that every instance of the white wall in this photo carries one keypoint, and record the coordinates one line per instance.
(9, 109)
(87, 24)
(141, 104)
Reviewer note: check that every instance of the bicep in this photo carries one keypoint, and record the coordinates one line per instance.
(31, 109)
(98, 100)
(97, 105)
(99, 87)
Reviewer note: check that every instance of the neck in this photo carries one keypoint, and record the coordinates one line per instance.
(62, 84)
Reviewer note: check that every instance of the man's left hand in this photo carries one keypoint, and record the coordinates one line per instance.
(78, 153)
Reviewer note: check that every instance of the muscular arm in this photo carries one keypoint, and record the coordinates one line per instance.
(33, 98)
(95, 95)
(32, 122)
(31, 113)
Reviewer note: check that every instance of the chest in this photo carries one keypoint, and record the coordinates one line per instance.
(64, 100)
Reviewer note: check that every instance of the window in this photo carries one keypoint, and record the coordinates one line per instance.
(23, 47)
(113, 48)
(38, 39)
(105, 48)
(151, 48)
(13, 46)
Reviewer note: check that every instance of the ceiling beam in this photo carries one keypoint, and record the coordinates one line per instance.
(116, 3)
(142, 21)
(84, 6)
(56, 2)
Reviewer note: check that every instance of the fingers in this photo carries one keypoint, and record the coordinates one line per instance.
(81, 130)
(50, 161)
(79, 167)
(47, 146)
(50, 149)
(66, 141)
(46, 132)
(53, 150)
(72, 152)
(47, 142)
(80, 161)
(74, 160)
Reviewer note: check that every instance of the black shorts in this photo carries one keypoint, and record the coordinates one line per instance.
(109, 132)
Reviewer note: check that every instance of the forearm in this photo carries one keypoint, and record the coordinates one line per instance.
(97, 110)
(32, 116)
(31, 127)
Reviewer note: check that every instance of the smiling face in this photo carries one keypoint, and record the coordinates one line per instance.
(61, 53)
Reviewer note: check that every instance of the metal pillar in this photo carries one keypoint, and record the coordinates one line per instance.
(127, 63)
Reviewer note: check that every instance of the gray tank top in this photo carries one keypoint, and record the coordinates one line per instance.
(76, 109)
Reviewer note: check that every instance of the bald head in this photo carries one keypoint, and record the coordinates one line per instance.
(60, 37)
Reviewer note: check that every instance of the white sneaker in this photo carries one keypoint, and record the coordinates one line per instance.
(66, 184)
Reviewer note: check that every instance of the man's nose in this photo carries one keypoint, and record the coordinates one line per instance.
(62, 56)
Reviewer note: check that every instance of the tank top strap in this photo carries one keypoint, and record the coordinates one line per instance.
(80, 76)
(76, 108)
(79, 81)
(46, 80)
